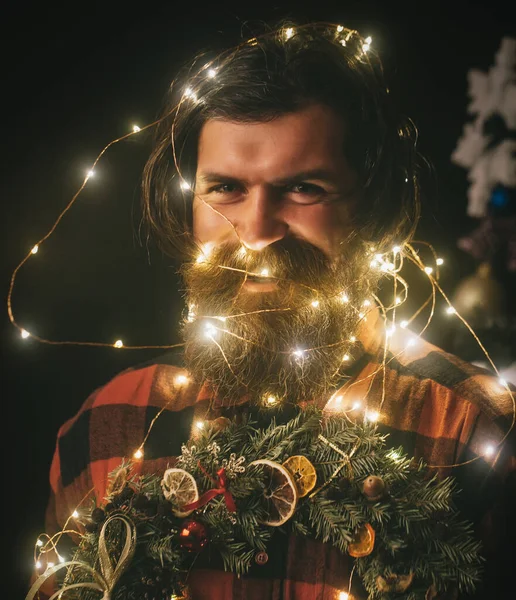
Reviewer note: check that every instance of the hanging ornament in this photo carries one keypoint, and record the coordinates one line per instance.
(193, 535)
(373, 488)
(394, 582)
(303, 473)
(363, 541)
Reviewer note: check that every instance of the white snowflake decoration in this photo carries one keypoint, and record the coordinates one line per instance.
(491, 93)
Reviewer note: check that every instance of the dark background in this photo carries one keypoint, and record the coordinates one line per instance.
(77, 75)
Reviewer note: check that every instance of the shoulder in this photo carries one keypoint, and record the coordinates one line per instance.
(145, 386)
(429, 367)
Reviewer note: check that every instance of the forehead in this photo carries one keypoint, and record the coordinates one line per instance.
(305, 139)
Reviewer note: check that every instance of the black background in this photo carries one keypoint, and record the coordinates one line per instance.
(76, 76)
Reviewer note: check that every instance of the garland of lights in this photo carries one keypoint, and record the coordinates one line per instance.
(234, 488)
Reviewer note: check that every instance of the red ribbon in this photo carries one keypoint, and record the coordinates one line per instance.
(221, 482)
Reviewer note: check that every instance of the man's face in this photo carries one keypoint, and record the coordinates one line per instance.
(261, 182)
(280, 196)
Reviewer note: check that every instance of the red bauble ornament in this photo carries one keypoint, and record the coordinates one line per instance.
(193, 535)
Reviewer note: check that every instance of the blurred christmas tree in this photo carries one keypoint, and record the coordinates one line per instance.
(487, 148)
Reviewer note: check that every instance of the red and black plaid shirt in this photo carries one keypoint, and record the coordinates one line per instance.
(436, 406)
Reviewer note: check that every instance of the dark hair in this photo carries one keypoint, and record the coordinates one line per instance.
(277, 72)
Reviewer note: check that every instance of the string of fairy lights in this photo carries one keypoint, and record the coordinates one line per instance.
(390, 264)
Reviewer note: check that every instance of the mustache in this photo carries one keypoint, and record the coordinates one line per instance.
(288, 259)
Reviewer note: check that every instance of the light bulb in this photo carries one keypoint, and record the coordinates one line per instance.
(439, 261)
(428, 270)
(35, 249)
(118, 344)
(138, 453)
(136, 128)
(181, 379)
(211, 73)
(200, 424)
(24, 333)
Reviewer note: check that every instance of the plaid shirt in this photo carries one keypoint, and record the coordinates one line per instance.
(436, 406)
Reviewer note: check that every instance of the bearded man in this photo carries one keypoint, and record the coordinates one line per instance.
(286, 183)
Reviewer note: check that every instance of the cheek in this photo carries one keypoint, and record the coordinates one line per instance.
(208, 225)
(325, 227)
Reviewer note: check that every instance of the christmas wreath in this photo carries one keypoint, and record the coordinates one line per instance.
(236, 487)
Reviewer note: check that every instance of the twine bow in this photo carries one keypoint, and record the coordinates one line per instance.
(107, 578)
(221, 483)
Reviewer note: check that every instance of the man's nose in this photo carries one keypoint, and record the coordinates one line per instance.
(261, 221)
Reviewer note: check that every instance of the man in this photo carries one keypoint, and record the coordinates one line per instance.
(285, 182)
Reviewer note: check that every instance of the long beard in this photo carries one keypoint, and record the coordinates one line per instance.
(288, 344)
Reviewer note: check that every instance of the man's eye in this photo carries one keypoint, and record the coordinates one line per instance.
(307, 192)
(223, 188)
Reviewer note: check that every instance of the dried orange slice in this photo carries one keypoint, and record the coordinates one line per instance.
(280, 494)
(303, 472)
(363, 541)
(179, 487)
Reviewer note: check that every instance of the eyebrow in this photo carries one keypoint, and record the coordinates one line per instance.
(312, 174)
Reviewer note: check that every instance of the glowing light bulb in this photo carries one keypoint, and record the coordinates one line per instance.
(264, 272)
(397, 300)
(118, 344)
(366, 47)
(271, 400)
(489, 450)
(39, 543)
(344, 297)
(404, 324)
(337, 399)
(212, 73)
(352, 338)
(340, 28)
(373, 264)
(343, 42)
(315, 303)
(396, 249)
(356, 405)
(372, 416)
(200, 424)
(289, 32)
(367, 302)
(390, 330)
(209, 330)
(189, 93)
(90, 173)
(450, 310)
(25, 334)
(136, 128)
(50, 565)
(35, 249)
(38, 564)
(60, 558)
(361, 315)
(394, 455)
(205, 252)
(368, 39)
(439, 261)
(343, 596)
(138, 454)
(185, 185)
(181, 380)
(345, 357)
(242, 251)
(75, 514)
(406, 179)
(428, 270)
(411, 342)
